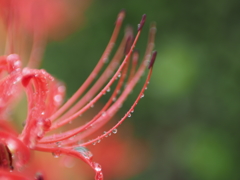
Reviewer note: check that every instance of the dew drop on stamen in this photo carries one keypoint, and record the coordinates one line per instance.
(132, 111)
(92, 106)
(129, 115)
(114, 131)
(58, 144)
(114, 99)
(94, 143)
(142, 95)
(56, 155)
(97, 167)
(109, 89)
(84, 152)
(104, 114)
(98, 141)
(104, 132)
(119, 75)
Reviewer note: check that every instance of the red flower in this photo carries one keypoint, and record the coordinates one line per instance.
(46, 115)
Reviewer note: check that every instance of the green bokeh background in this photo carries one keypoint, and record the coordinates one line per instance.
(190, 113)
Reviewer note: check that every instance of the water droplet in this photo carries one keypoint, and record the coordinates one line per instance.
(129, 115)
(58, 144)
(99, 176)
(142, 95)
(109, 134)
(119, 75)
(94, 143)
(132, 111)
(109, 89)
(114, 131)
(84, 151)
(114, 99)
(97, 167)
(104, 114)
(56, 154)
(104, 132)
(99, 141)
(146, 88)
(92, 106)
(58, 98)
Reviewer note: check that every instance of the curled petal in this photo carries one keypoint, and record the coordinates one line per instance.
(37, 88)
(16, 147)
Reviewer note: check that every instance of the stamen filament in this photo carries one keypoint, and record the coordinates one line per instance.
(95, 71)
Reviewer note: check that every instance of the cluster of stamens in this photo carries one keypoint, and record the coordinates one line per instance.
(45, 94)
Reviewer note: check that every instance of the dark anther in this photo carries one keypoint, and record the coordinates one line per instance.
(154, 54)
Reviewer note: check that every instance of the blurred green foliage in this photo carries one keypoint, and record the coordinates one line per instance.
(190, 116)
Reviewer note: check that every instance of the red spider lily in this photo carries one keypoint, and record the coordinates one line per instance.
(46, 115)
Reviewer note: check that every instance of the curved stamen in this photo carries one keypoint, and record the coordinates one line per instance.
(65, 135)
(100, 82)
(99, 95)
(95, 71)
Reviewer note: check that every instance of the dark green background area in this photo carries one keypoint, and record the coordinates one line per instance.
(190, 113)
